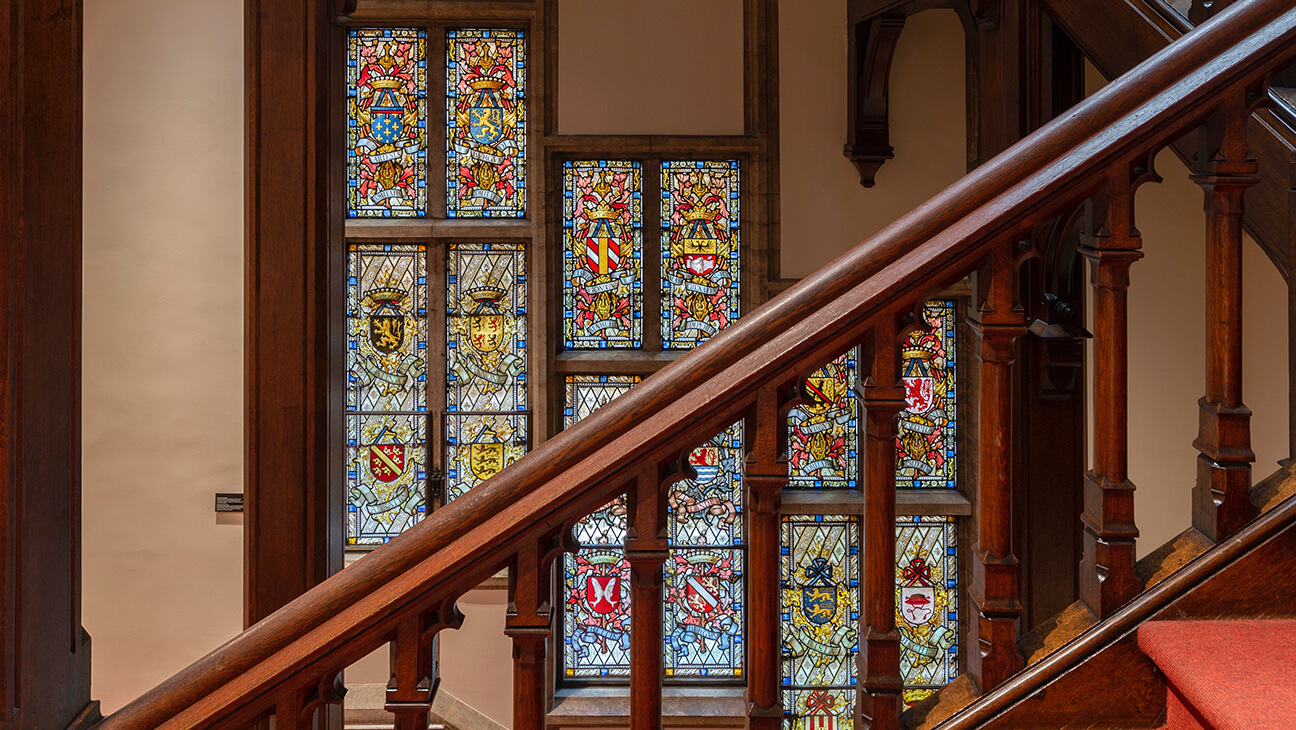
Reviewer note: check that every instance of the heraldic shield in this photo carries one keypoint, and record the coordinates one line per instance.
(917, 595)
(819, 594)
(603, 593)
(700, 256)
(702, 594)
(705, 460)
(486, 123)
(387, 461)
(387, 114)
(486, 331)
(485, 459)
(387, 332)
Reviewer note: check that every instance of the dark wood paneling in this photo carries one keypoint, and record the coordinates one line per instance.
(45, 656)
(292, 533)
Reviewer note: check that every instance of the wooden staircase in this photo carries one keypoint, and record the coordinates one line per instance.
(1070, 671)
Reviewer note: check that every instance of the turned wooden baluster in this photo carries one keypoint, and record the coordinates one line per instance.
(528, 624)
(646, 549)
(413, 681)
(765, 472)
(1224, 170)
(1111, 243)
(998, 319)
(882, 397)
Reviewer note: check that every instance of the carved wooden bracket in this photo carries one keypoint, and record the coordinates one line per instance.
(872, 46)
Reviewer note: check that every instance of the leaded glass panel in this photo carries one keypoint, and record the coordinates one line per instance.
(485, 123)
(596, 585)
(927, 592)
(386, 452)
(926, 447)
(700, 246)
(385, 476)
(704, 613)
(820, 613)
(602, 255)
(486, 360)
(823, 437)
(386, 122)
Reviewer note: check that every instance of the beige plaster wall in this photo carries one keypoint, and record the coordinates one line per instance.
(163, 335)
(163, 267)
(825, 210)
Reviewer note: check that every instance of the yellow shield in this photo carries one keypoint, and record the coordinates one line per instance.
(485, 459)
(486, 332)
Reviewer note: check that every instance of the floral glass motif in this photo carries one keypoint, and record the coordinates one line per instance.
(820, 620)
(485, 123)
(822, 434)
(386, 123)
(486, 362)
(927, 444)
(596, 616)
(927, 603)
(700, 249)
(386, 393)
(602, 260)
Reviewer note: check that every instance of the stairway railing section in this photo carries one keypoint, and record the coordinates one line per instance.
(287, 666)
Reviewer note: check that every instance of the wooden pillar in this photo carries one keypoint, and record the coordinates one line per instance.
(999, 321)
(765, 474)
(882, 397)
(413, 682)
(293, 526)
(44, 652)
(1111, 243)
(1222, 496)
(528, 624)
(646, 552)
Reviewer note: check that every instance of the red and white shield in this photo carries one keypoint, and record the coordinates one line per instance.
(603, 254)
(700, 264)
(702, 593)
(821, 722)
(918, 604)
(387, 461)
(920, 394)
(603, 593)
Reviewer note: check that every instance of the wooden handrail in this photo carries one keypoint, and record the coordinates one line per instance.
(375, 600)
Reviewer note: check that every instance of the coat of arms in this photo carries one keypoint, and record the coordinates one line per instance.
(705, 460)
(919, 376)
(917, 595)
(819, 593)
(386, 460)
(386, 325)
(487, 454)
(486, 321)
(603, 593)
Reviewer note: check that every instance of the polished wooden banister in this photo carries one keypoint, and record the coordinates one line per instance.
(269, 667)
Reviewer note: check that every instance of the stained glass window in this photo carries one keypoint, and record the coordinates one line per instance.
(703, 616)
(596, 618)
(486, 360)
(386, 123)
(926, 447)
(822, 434)
(602, 255)
(386, 422)
(820, 612)
(485, 123)
(700, 246)
(704, 574)
(927, 603)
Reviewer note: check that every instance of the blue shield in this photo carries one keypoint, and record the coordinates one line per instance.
(486, 124)
(387, 117)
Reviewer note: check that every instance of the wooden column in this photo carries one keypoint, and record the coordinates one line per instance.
(1111, 243)
(999, 321)
(882, 397)
(528, 624)
(413, 681)
(765, 473)
(293, 526)
(44, 651)
(1225, 169)
(646, 552)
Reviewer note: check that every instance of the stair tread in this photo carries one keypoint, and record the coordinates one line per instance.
(1221, 668)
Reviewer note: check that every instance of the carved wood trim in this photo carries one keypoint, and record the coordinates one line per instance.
(872, 46)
